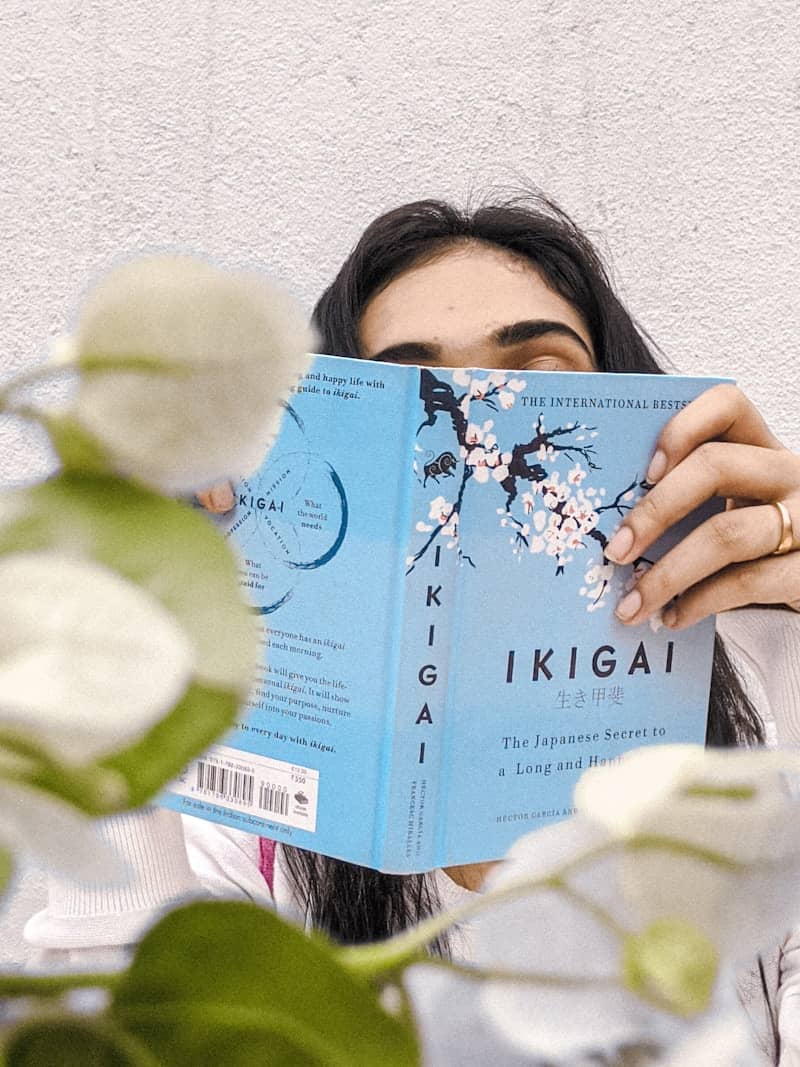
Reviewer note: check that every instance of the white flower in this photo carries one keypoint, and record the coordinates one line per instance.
(481, 473)
(739, 805)
(88, 661)
(440, 509)
(500, 472)
(461, 376)
(679, 862)
(546, 932)
(517, 384)
(506, 400)
(474, 434)
(479, 387)
(184, 368)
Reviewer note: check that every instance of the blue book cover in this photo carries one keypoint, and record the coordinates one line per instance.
(425, 551)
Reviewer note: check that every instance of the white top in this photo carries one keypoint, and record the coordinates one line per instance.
(175, 858)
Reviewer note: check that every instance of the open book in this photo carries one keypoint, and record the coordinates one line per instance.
(425, 550)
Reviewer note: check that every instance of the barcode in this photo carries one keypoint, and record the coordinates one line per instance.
(273, 798)
(225, 783)
(264, 789)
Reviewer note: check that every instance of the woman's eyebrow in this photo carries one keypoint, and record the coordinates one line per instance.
(530, 329)
(503, 337)
(409, 352)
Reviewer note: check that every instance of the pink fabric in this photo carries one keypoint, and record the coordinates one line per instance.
(266, 861)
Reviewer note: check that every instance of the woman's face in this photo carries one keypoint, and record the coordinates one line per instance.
(475, 306)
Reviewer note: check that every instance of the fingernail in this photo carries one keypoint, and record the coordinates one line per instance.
(658, 465)
(670, 617)
(222, 498)
(620, 544)
(629, 605)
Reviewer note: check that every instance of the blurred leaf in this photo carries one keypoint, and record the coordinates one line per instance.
(163, 752)
(6, 868)
(74, 1043)
(227, 982)
(133, 775)
(77, 449)
(177, 555)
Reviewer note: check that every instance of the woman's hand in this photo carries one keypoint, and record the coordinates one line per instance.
(717, 445)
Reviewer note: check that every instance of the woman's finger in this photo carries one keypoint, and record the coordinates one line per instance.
(721, 544)
(218, 499)
(712, 469)
(722, 413)
(764, 581)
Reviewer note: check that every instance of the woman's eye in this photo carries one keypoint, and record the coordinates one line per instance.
(549, 361)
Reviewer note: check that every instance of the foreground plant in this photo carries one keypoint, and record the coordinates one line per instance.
(580, 950)
(126, 648)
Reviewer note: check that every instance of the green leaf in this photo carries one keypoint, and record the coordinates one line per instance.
(227, 982)
(74, 1043)
(6, 868)
(77, 449)
(174, 552)
(200, 717)
(671, 964)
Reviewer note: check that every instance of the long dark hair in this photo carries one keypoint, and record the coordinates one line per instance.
(355, 904)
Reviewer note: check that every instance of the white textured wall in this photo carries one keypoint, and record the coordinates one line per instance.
(269, 133)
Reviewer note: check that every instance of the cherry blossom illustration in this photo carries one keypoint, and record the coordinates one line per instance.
(549, 505)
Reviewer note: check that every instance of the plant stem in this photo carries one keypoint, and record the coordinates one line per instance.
(499, 974)
(390, 957)
(595, 910)
(28, 377)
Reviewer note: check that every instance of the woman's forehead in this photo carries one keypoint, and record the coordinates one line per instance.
(460, 298)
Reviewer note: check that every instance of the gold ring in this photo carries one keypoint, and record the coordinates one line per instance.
(786, 543)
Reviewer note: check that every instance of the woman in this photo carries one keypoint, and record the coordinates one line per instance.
(510, 286)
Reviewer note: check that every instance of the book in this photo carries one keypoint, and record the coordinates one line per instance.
(424, 549)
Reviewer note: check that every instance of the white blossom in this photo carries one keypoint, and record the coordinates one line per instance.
(740, 805)
(88, 661)
(184, 368)
(679, 862)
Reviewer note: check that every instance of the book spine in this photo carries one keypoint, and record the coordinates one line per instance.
(419, 685)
